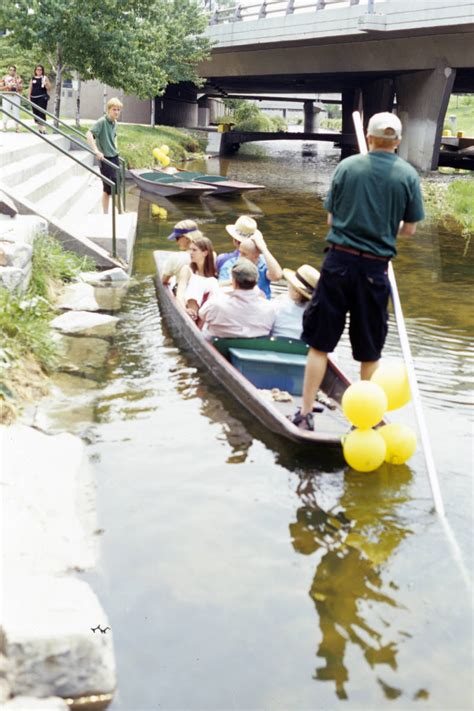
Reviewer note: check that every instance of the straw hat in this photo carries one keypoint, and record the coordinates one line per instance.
(243, 228)
(304, 280)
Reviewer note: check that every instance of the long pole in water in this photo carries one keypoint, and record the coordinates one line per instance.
(415, 392)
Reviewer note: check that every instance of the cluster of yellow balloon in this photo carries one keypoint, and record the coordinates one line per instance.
(159, 212)
(161, 155)
(364, 404)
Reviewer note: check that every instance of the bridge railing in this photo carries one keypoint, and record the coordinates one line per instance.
(264, 8)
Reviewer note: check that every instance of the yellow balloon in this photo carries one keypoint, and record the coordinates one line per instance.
(364, 450)
(400, 441)
(165, 161)
(165, 149)
(393, 379)
(157, 153)
(364, 404)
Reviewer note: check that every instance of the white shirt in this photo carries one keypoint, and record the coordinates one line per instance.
(289, 317)
(174, 263)
(198, 286)
(241, 313)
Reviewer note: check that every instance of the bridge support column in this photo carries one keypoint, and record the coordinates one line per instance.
(178, 106)
(376, 97)
(309, 115)
(351, 101)
(422, 101)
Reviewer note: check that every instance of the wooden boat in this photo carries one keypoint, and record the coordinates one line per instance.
(168, 185)
(222, 185)
(250, 367)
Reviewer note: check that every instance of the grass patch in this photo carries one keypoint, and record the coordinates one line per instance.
(451, 202)
(27, 351)
(136, 143)
(463, 108)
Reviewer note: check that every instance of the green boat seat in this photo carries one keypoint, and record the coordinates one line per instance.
(161, 178)
(276, 344)
(270, 369)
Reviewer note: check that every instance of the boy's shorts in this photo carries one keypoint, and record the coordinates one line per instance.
(352, 284)
(108, 172)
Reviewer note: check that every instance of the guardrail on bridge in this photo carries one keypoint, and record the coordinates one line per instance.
(265, 8)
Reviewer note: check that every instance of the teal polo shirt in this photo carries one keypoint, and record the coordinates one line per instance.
(105, 134)
(369, 196)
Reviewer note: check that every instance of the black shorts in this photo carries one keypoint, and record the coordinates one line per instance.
(108, 172)
(349, 284)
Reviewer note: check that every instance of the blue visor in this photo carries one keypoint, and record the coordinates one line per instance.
(180, 231)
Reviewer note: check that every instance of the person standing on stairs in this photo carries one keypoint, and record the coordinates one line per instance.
(102, 138)
(38, 94)
(12, 85)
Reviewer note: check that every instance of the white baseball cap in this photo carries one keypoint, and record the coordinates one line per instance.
(385, 125)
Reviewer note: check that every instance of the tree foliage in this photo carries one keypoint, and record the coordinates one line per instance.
(138, 46)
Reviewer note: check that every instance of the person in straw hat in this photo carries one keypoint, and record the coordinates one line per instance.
(244, 227)
(290, 306)
(252, 246)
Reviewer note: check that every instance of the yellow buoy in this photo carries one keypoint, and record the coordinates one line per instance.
(364, 404)
(393, 379)
(400, 441)
(364, 449)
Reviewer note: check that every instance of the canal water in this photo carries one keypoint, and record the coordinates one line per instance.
(242, 572)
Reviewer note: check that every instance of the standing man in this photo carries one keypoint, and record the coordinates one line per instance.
(372, 199)
(102, 138)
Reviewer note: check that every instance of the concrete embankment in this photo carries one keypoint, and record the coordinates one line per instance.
(56, 645)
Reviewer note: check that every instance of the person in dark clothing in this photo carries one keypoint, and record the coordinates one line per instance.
(372, 199)
(38, 94)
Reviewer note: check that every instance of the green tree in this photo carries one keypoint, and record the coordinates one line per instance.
(138, 46)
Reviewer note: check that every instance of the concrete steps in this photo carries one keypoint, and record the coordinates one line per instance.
(43, 181)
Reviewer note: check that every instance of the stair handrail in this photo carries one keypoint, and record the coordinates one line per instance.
(83, 142)
(107, 181)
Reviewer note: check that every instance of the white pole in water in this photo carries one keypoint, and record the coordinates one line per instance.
(415, 392)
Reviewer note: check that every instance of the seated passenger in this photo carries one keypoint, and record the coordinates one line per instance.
(182, 232)
(197, 280)
(243, 228)
(255, 249)
(242, 312)
(290, 306)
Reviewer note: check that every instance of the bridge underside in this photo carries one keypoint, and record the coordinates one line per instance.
(317, 83)
(419, 72)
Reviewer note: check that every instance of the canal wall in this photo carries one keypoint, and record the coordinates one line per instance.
(56, 643)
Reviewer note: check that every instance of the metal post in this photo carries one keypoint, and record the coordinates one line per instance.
(114, 241)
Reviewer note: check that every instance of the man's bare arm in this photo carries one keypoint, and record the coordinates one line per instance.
(407, 228)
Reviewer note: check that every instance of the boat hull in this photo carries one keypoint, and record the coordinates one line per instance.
(267, 413)
(221, 186)
(181, 189)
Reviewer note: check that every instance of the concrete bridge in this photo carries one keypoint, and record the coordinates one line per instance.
(416, 52)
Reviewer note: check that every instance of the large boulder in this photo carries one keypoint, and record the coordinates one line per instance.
(78, 297)
(50, 644)
(84, 323)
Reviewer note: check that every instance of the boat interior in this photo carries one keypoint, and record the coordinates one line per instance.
(275, 366)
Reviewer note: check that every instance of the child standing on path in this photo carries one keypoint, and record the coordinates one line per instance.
(102, 138)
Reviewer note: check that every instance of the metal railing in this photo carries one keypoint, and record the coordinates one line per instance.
(84, 146)
(83, 143)
(265, 8)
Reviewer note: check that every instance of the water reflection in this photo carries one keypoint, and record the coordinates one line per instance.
(354, 541)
